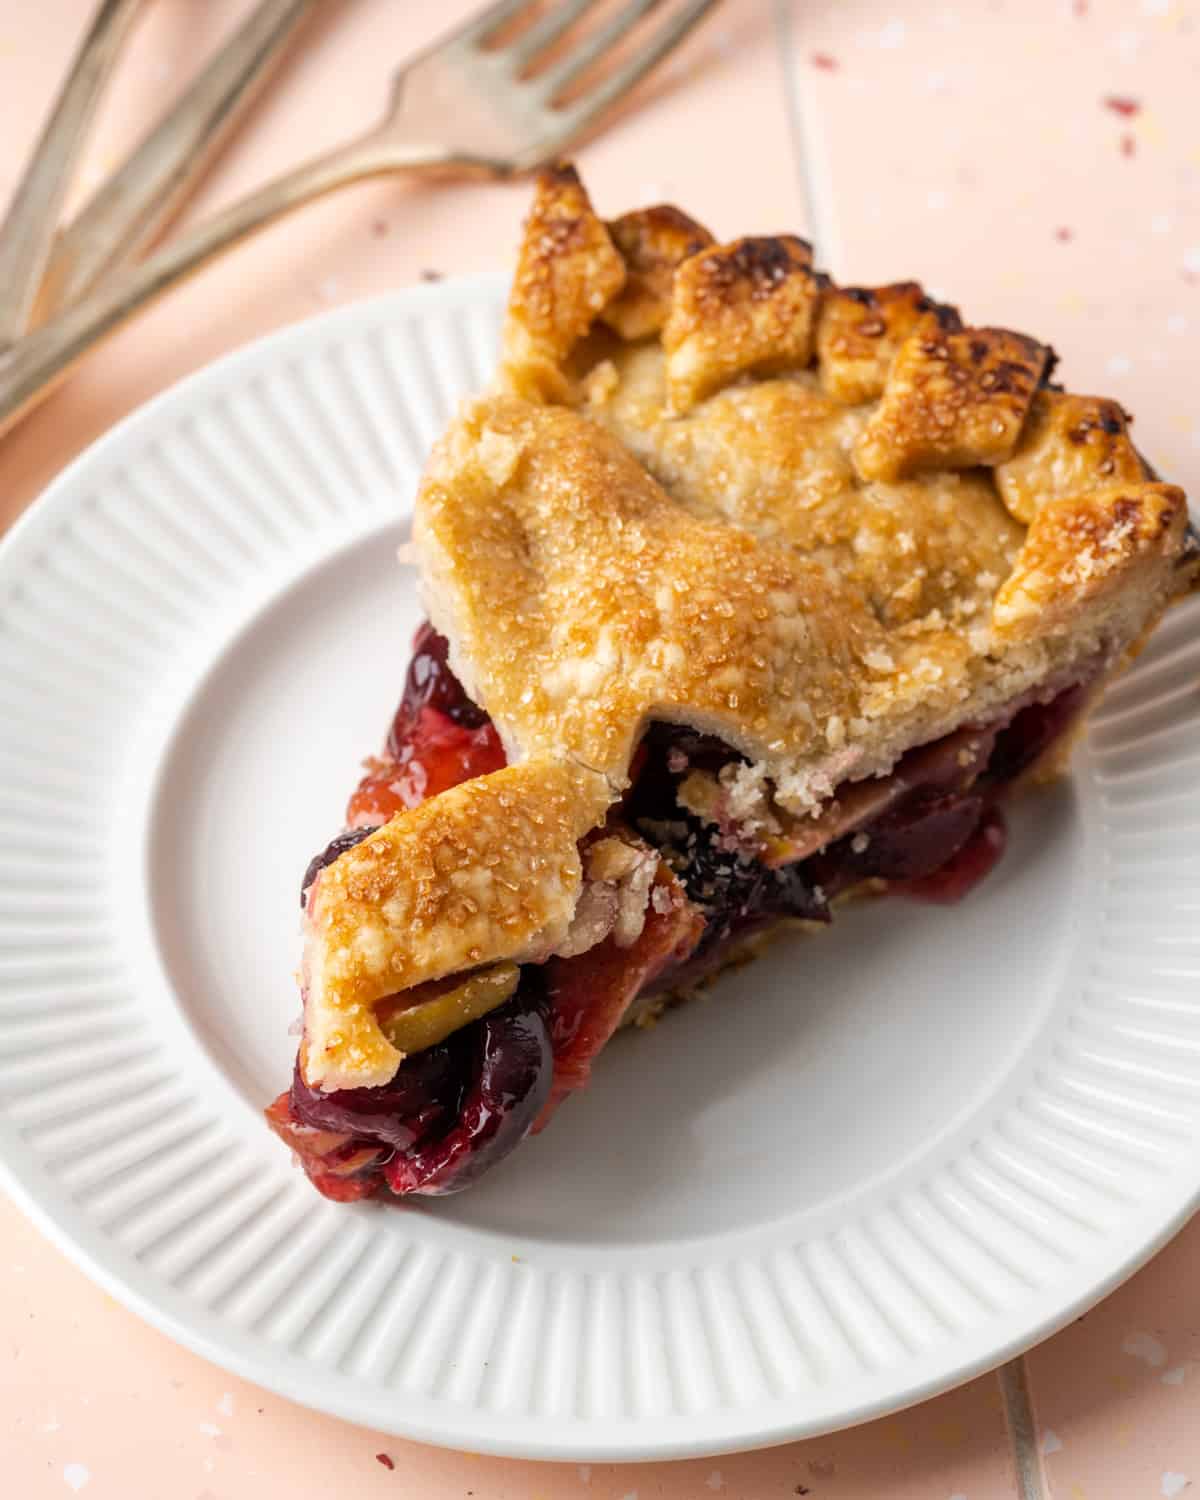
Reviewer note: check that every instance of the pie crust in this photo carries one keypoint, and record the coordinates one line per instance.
(712, 489)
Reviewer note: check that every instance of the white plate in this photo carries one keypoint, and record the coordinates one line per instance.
(871, 1165)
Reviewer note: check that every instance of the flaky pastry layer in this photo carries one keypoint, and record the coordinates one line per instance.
(826, 524)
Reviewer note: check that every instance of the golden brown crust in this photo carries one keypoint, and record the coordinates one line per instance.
(1070, 444)
(825, 567)
(582, 599)
(1091, 559)
(652, 242)
(860, 330)
(487, 870)
(744, 308)
(568, 270)
(773, 458)
(953, 400)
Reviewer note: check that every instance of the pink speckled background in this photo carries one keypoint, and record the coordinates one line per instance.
(974, 144)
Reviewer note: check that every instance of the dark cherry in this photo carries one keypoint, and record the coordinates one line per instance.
(338, 1166)
(431, 684)
(512, 1066)
(437, 739)
(906, 844)
(423, 1095)
(962, 873)
(455, 1110)
(1033, 731)
(327, 856)
(735, 892)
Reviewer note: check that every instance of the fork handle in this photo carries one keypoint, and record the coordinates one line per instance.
(28, 231)
(124, 215)
(34, 366)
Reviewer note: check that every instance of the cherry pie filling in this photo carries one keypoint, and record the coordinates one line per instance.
(932, 830)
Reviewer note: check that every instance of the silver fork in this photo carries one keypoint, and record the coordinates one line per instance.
(464, 107)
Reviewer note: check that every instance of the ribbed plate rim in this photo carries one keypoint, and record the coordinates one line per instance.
(1159, 1214)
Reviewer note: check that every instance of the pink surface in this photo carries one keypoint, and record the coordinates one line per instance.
(1037, 162)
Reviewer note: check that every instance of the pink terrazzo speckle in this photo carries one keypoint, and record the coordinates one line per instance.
(1145, 1346)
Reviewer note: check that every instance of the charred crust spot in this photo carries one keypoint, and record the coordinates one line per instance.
(1083, 552)
(1050, 367)
(1108, 418)
(749, 306)
(953, 400)
(1007, 377)
(861, 330)
(761, 265)
(1038, 356)
(946, 317)
(1071, 445)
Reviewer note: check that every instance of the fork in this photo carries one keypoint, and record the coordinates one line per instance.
(473, 104)
(128, 211)
(28, 228)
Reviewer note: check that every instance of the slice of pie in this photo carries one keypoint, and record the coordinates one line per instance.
(748, 592)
